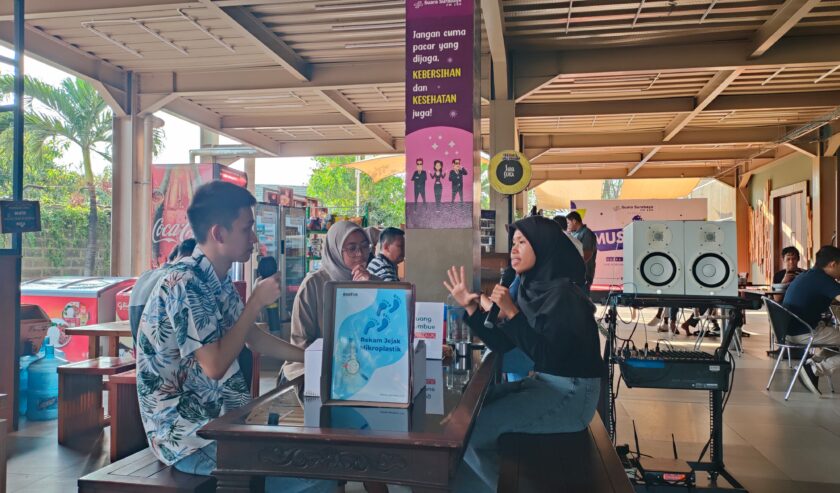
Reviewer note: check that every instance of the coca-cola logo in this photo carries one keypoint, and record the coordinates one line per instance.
(122, 305)
(170, 233)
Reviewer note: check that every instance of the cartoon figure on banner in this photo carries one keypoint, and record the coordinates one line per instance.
(419, 180)
(438, 175)
(456, 177)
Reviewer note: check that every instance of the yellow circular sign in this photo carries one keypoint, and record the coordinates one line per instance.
(510, 172)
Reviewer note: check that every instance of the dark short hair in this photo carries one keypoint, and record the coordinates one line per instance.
(561, 220)
(217, 202)
(826, 255)
(390, 234)
(185, 249)
(574, 216)
(791, 250)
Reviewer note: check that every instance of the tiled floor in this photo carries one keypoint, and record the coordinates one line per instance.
(769, 445)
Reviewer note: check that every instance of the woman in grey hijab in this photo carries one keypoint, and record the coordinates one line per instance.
(345, 258)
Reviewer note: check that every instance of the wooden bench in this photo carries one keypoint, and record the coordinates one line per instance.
(127, 433)
(142, 472)
(80, 388)
(584, 462)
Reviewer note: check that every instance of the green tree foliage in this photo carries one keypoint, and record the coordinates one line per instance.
(335, 186)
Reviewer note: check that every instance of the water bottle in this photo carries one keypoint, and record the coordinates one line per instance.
(458, 333)
(25, 360)
(42, 398)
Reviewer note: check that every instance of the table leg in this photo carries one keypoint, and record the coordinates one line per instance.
(93, 347)
(113, 346)
(2, 455)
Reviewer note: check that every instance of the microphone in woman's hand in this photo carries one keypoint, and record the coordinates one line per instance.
(508, 275)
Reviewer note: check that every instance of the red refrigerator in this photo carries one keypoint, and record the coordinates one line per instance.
(74, 302)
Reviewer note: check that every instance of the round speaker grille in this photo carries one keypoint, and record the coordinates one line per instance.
(711, 270)
(658, 269)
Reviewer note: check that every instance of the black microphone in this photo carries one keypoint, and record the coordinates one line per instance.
(508, 275)
(266, 268)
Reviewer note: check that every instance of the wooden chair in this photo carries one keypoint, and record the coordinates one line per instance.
(127, 433)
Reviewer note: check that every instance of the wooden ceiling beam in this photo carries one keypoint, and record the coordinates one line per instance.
(710, 91)
(352, 113)
(249, 27)
(208, 119)
(533, 71)
(782, 21)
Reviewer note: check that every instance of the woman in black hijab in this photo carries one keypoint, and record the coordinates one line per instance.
(553, 322)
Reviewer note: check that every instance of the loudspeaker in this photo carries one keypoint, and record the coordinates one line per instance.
(711, 258)
(653, 257)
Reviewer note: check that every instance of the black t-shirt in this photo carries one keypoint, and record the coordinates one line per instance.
(809, 296)
(779, 276)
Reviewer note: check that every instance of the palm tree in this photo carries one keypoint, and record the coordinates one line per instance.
(72, 112)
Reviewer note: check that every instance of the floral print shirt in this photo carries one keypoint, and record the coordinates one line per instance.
(188, 308)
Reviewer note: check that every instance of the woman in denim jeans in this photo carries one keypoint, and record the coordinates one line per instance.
(552, 322)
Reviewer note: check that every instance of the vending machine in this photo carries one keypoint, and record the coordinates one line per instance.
(173, 186)
(281, 234)
(74, 302)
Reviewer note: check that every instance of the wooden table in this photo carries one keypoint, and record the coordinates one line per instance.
(425, 457)
(112, 330)
(756, 292)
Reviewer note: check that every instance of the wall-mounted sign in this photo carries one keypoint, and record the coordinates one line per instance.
(20, 216)
(510, 172)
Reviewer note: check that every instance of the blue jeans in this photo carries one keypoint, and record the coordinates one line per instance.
(202, 462)
(541, 405)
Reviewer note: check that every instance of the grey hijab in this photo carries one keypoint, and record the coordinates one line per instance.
(333, 261)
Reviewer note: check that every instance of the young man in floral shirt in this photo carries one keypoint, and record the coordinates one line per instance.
(191, 331)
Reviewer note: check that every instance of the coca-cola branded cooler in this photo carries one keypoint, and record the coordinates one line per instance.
(173, 186)
(74, 302)
(123, 297)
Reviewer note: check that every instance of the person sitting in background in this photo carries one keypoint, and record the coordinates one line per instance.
(346, 251)
(391, 254)
(564, 225)
(373, 234)
(669, 322)
(809, 297)
(143, 287)
(783, 278)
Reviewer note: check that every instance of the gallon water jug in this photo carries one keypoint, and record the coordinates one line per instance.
(42, 398)
(25, 360)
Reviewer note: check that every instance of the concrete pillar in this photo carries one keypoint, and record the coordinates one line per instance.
(502, 137)
(430, 252)
(131, 202)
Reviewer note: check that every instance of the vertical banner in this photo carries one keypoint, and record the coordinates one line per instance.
(607, 219)
(439, 114)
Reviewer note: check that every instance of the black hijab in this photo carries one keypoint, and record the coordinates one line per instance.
(550, 290)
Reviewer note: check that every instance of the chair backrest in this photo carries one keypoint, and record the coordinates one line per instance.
(782, 320)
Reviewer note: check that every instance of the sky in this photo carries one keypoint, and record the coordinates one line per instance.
(181, 137)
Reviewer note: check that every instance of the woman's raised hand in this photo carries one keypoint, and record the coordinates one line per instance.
(457, 287)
